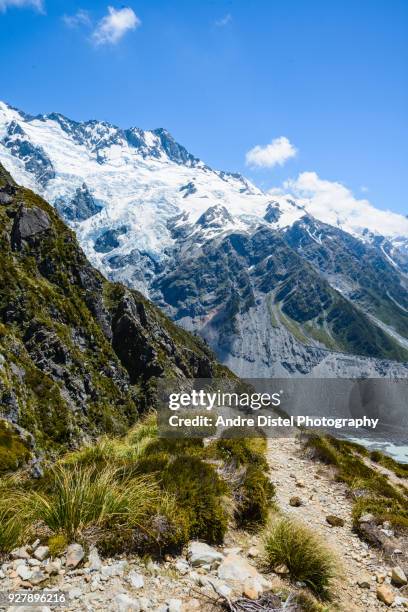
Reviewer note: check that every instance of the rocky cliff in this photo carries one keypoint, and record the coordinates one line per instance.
(78, 355)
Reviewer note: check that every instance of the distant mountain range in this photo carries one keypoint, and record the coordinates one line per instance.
(275, 286)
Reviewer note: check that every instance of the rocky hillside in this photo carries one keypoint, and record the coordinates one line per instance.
(78, 355)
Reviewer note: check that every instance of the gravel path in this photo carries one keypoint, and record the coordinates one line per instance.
(296, 475)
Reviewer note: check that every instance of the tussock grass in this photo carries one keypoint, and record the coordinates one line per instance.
(83, 498)
(11, 530)
(307, 558)
(121, 452)
(309, 603)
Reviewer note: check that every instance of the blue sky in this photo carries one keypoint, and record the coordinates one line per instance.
(227, 76)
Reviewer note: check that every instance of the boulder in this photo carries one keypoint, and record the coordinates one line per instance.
(116, 569)
(385, 594)
(201, 554)
(398, 576)
(28, 223)
(23, 572)
(20, 553)
(366, 518)
(53, 567)
(252, 589)
(295, 501)
(37, 577)
(236, 571)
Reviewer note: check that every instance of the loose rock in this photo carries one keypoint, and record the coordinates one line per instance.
(385, 594)
(136, 580)
(75, 554)
(335, 521)
(41, 552)
(201, 554)
(398, 576)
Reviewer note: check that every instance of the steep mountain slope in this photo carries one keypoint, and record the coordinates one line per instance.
(359, 270)
(78, 354)
(256, 301)
(273, 288)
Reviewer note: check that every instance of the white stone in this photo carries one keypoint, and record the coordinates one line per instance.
(181, 566)
(125, 603)
(116, 569)
(236, 569)
(174, 605)
(94, 560)
(23, 572)
(75, 593)
(75, 554)
(20, 553)
(53, 567)
(41, 552)
(136, 580)
(201, 554)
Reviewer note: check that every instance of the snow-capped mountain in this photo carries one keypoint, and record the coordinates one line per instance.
(275, 285)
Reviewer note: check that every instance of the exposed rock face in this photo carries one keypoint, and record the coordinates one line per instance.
(34, 158)
(79, 207)
(78, 355)
(28, 222)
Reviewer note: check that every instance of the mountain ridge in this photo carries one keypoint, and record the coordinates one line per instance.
(142, 210)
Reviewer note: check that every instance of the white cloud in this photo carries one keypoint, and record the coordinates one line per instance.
(220, 23)
(35, 4)
(81, 18)
(274, 154)
(114, 25)
(334, 203)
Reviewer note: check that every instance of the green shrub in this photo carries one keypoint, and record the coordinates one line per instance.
(242, 451)
(167, 530)
(200, 493)
(323, 450)
(57, 545)
(13, 452)
(254, 498)
(308, 560)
